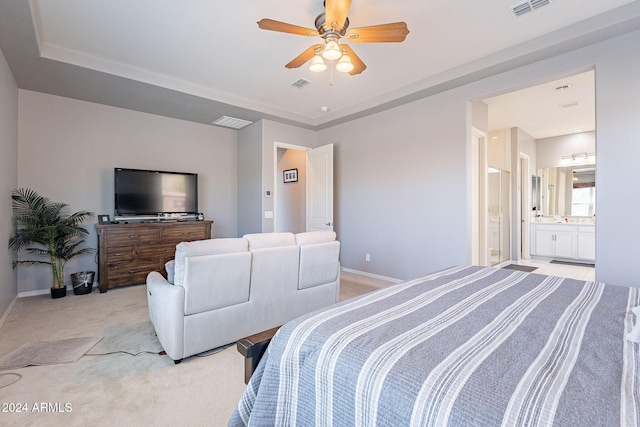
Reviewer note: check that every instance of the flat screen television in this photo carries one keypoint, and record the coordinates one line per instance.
(149, 192)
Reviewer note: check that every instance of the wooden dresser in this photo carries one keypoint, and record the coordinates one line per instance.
(128, 252)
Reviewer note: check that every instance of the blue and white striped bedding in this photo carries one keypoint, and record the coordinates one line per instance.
(469, 346)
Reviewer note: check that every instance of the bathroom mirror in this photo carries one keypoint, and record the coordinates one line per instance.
(566, 191)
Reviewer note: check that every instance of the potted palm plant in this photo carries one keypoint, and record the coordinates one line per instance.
(45, 230)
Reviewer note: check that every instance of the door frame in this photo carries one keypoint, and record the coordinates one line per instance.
(524, 170)
(276, 176)
(479, 245)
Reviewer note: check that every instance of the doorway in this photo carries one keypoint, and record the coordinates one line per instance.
(548, 125)
(290, 194)
(303, 188)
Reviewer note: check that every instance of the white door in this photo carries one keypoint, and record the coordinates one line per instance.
(320, 188)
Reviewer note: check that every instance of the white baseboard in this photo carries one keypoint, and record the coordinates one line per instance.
(39, 292)
(373, 276)
(8, 310)
(48, 291)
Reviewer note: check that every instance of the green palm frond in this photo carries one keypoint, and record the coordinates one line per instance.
(56, 233)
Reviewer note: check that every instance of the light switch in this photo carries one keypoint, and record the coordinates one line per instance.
(268, 214)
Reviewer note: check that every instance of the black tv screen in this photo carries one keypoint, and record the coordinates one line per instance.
(148, 192)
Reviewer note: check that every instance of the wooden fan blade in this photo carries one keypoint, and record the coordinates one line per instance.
(358, 65)
(304, 56)
(336, 12)
(283, 27)
(395, 32)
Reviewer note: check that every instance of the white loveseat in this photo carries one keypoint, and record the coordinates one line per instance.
(229, 288)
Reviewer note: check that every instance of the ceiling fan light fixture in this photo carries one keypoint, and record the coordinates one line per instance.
(344, 65)
(331, 50)
(317, 64)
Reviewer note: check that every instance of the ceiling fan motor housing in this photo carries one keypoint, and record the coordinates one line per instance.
(326, 31)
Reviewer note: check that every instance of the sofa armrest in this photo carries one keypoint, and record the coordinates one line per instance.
(166, 310)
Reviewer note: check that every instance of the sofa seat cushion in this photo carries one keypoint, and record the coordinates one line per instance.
(204, 247)
(269, 240)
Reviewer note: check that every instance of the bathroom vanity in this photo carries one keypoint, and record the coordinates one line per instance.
(564, 241)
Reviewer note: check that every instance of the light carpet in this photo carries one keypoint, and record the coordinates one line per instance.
(47, 352)
(109, 386)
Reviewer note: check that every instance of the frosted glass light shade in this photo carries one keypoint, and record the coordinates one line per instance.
(344, 65)
(331, 51)
(317, 64)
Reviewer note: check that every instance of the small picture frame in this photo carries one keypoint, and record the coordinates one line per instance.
(104, 219)
(290, 175)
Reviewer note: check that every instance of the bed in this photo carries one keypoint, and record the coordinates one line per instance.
(468, 346)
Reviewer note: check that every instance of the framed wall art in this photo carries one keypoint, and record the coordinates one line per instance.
(290, 175)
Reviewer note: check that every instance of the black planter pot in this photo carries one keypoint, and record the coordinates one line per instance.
(58, 292)
(82, 282)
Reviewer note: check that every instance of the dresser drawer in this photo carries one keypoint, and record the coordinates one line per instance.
(156, 251)
(184, 233)
(132, 272)
(120, 254)
(134, 236)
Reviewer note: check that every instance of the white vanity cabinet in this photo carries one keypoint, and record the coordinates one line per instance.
(557, 241)
(587, 242)
(564, 241)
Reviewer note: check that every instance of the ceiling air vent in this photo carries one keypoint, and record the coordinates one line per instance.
(231, 122)
(300, 83)
(528, 6)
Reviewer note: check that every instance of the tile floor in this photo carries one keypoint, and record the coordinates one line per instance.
(563, 270)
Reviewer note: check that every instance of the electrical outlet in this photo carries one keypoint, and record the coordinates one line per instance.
(367, 257)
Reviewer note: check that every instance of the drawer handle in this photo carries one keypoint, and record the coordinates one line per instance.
(134, 236)
(161, 250)
(134, 271)
(118, 254)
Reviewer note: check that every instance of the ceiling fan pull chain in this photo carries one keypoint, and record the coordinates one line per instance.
(331, 75)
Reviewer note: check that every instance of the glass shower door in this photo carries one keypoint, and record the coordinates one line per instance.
(498, 232)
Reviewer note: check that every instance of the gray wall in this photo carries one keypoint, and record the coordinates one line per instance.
(550, 150)
(8, 180)
(68, 149)
(250, 179)
(618, 150)
(402, 186)
(402, 176)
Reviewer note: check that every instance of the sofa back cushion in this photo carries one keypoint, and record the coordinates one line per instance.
(269, 240)
(310, 237)
(204, 247)
(319, 264)
(215, 281)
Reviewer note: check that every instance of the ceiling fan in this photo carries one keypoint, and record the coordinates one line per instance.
(332, 25)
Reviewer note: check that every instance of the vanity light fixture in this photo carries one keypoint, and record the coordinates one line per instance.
(579, 158)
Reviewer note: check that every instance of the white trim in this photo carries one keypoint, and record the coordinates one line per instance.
(48, 291)
(373, 276)
(525, 211)
(8, 310)
(480, 217)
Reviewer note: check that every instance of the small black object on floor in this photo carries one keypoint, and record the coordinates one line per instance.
(579, 264)
(526, 268)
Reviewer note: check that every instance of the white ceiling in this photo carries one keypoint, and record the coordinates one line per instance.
(201, 59)
(559, 107)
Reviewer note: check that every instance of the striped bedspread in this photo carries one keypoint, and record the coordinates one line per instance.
(469, 346)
